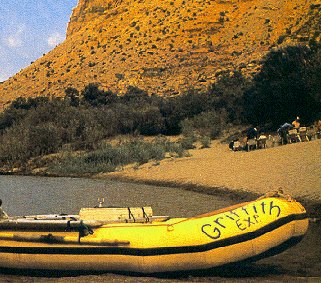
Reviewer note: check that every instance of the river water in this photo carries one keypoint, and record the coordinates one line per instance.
(24, 195)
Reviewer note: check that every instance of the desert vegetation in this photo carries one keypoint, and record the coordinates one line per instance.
(164, 47)
(80, 124)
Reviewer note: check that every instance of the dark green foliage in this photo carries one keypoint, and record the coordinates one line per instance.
(172, 113)
(95, 97)
(174, 110)
(227, 94)
(150, 121)
(187, 142)
(27, 104)
(44, 138)
(193, 103)
(72, 95)
(11, 116)
(134, 94)
(287, 86)
(14, 145)
(18, 110)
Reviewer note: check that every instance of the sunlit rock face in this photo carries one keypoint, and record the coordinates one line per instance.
(164, 47)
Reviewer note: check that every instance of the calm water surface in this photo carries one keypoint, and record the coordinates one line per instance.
(23, 195)
(38, 195)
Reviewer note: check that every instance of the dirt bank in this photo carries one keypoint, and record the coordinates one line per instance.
(296, 168)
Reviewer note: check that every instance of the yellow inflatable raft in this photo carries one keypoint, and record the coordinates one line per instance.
(132, 239)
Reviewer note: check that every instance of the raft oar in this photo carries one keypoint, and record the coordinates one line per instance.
(51, 239)
(43, 223)
(46, 225)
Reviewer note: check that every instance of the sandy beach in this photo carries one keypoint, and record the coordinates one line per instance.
(296, 168)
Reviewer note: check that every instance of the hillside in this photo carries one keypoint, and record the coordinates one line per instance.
(166, 46)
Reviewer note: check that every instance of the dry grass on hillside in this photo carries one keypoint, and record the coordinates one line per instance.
(163, 47)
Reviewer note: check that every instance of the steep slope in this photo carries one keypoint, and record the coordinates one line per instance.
(164, 46)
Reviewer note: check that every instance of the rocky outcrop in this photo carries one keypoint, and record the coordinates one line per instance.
(164, 46)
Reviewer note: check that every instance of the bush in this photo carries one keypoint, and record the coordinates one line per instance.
(14, 145)
(150, 121)
(96, 97)
(107, 158)
(83, 121)
(227, 94)
(43, 139)
(10, 117)
(134, 94)
(205, 141)
(207, 123)
(188, 142)
(78, 165)
(23, 141)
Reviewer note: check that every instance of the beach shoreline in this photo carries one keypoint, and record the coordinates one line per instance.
(240, 176)
(294, 168)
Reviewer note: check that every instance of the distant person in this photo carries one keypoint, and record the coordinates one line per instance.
(261, 140)
(251, 133)
(3, 215)
(231, 145)
(296, 123)
(235, 145)
(251, 136)
(283, 132)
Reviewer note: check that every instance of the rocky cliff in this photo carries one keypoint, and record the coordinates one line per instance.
(165, 46)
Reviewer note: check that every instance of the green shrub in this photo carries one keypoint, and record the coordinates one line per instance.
(77, 165)
(107, 158)
(227, 94)
(206, 123)
(44, 138)
(187, 142)
(14, 145)
(205, 141)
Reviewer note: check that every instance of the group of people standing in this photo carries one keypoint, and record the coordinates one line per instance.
(284, 129)
(257, 139)
(254, 139)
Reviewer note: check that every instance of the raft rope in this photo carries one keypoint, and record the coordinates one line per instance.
(145, 215)
(278, 194)
(130, 214)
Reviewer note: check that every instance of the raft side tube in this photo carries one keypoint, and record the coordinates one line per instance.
(52, 239)
(61, 224)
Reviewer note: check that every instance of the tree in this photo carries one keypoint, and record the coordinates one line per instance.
(287, 86)
(135, 94)
(227, 93)
(95, 97)
(44, 138)
(72, 94)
